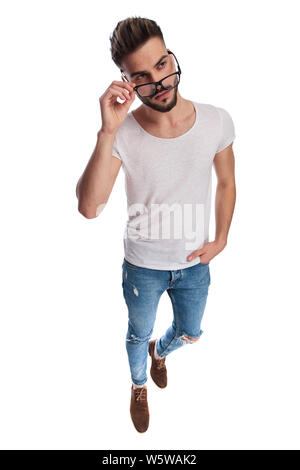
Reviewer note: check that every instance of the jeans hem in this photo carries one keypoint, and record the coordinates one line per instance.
(139, 384)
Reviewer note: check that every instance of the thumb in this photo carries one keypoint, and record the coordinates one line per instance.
(196, 253)
(193, 255)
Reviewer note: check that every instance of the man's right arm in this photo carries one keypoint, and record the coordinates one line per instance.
(95, 185)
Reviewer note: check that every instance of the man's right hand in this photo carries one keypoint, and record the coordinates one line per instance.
(114, 113)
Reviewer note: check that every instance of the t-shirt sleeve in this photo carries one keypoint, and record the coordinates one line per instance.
(115, 149)
(227, 130)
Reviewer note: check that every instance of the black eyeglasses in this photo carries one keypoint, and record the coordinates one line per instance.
(150, 89)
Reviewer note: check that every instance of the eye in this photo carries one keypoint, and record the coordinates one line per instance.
(142, 74)
(162, 63)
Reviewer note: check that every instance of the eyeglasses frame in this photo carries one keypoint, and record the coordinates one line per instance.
(159, 82)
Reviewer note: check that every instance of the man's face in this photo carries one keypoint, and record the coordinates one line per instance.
(151, 63)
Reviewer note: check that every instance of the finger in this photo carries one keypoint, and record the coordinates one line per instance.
(127, 85)
(128, 94)
(117, 92)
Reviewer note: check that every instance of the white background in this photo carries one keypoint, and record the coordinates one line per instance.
(65, 381)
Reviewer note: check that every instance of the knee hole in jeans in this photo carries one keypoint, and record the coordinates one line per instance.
(188, 339)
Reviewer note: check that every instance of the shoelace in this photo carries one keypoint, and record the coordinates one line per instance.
(140, 393)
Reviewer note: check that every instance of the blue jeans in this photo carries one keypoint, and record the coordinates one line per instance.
(142, 288)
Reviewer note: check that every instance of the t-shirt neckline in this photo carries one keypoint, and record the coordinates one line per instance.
(171, 139)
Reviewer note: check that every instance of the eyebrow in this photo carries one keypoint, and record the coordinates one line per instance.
(145, 71)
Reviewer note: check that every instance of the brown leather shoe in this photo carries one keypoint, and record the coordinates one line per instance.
(158, 369)
(139, 410)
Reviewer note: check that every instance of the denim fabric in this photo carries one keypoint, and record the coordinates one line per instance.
(142, 288)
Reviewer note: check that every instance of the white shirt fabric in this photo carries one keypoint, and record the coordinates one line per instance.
(168, 187)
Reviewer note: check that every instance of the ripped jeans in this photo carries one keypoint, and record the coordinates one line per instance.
(142, 288)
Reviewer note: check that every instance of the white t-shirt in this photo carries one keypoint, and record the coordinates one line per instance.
(168, 187)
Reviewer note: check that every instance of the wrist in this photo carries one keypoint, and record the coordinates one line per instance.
(105, 133)
(221, 241)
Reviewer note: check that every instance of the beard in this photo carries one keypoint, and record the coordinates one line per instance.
(161, 106)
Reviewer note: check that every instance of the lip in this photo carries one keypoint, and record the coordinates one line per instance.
(163, 95)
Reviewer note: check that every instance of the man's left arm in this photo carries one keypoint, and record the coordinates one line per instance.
(224, 205)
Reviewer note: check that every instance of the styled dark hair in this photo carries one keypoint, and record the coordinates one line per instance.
(130, 34)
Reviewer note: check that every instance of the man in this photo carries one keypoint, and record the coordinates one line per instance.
(167, 148)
